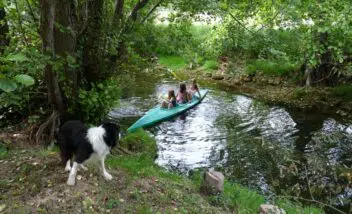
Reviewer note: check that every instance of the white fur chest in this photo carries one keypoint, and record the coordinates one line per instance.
(96, 138)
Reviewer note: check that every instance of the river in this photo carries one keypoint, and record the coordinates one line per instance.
(272, 149)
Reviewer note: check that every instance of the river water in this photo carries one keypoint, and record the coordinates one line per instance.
(269, 148)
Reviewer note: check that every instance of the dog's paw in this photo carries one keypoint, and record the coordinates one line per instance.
(71, 182)
(67, 169)
(107, 176)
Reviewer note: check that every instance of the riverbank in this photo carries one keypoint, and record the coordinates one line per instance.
(276, 90)
(31, 180)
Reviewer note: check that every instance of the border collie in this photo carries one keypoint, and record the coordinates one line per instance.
(86, 145)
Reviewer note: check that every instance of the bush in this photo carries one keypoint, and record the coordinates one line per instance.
(271, 68)
(172, 62)
(140, 142)
(299, 93)
(342, 91)
(211, 65)
(94, 104)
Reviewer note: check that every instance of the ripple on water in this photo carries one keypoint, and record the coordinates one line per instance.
(247, 138)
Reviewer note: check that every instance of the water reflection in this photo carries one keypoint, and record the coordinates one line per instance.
(267, 147)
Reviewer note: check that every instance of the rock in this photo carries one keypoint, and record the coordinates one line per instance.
(213, 182)
(217, 77)
(270, 209)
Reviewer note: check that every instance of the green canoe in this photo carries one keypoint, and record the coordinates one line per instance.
(158, 114)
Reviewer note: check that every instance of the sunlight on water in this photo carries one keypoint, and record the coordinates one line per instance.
(251, 142)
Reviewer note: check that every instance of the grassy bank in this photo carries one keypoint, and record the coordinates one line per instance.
(32, 181)
(270, 85)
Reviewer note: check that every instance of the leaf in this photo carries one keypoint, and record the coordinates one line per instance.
(7, 85)
(24, 79)
(17, 57)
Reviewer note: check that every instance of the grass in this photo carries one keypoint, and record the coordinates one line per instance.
(243, 200)
(210, 65)
(139, 186)
(3, 151)
(173, 62)
(299, 93)
(271, 68)
(342, 91)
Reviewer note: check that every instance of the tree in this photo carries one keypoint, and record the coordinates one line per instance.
(92, 57)
(4, 29)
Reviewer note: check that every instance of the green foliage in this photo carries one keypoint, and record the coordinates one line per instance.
(239, 199)
(299, 93)
(3, 151)
(172, 62)
(271, 68)
(140, 142)
(94, 104)
(210, 65)
(342, 91)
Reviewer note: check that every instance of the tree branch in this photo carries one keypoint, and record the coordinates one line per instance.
(151, 11)
(20, 24)
(239, 22)
(140, 4)
(31, 11)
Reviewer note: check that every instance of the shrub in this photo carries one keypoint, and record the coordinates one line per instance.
(140, 142)
(342, 91)
(94, 104)
(211, 65)
(271, 68)
(172, 62)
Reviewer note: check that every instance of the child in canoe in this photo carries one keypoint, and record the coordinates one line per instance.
(183, 96)
(171, 100)
(194, 90)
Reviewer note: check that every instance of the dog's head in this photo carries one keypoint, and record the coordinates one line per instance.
(112, 133)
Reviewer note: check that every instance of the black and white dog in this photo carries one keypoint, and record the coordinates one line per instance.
(86, 145)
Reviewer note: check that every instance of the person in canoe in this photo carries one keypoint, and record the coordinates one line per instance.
(183, 96)
(194, 90)
(171, 100)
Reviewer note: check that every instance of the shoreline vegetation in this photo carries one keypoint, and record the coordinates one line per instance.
(271, 89)
(33, 181)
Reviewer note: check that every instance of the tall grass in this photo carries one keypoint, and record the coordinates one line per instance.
(210, 65)
(173, 62)
(342, 91)
(271, 68)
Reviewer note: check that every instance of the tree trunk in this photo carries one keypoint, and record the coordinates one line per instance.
(118, 14)
(4, 30)
(65, 39)
(92, 60)
(324, 73)
(140, 4)
(47, 20)
(121, 47)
